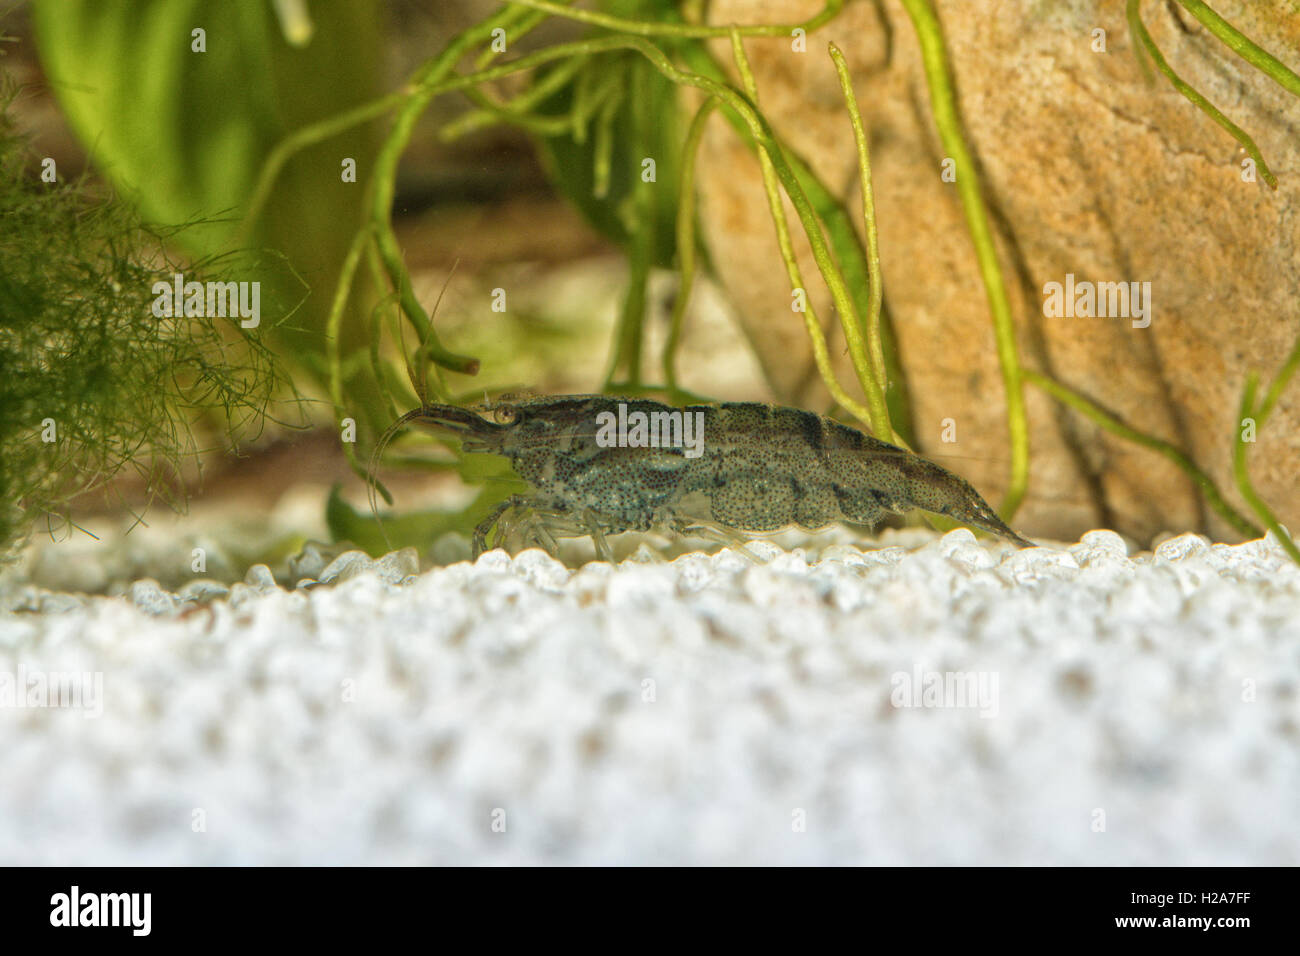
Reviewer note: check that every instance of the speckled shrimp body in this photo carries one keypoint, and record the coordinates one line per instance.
(600, 465)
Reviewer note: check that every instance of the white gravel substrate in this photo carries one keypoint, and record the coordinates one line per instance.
(703, 710)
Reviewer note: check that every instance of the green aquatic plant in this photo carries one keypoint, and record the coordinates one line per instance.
(581, 89)
(1257, 414)
(177, 104)
(943, 103)
(95, 386)
(1235, 40)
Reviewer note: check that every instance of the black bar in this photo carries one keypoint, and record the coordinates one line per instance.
(925, 907)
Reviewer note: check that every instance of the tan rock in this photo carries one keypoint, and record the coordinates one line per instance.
(1087, 170)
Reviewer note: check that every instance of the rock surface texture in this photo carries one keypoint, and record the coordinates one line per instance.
(1088, 169)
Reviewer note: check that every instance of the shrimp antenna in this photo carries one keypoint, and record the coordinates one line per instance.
(422, 387)
(420, 382)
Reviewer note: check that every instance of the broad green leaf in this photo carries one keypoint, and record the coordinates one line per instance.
(646, 124)
(185, 133)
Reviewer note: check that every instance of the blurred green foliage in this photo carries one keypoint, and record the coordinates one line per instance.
(185, 133)
(92, 382)
(420, 529)
(598, 169)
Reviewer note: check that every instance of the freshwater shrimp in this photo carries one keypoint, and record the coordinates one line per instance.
(599, 465)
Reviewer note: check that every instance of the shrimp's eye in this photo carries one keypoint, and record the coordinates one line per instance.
(505, 415)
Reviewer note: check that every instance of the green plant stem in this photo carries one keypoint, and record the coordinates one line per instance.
(377, 365)
(1143, 39)
(602, 147)
(302, 138)
(376, 329)
(425, 89)
(944, 106)
(1244, 46)
(868, 215)
(385, 182)
(684, 30)
(876, 415)
(334, 323)
(1096, 413)
(1241, 472)
(1284, 374)
(427, 84)
(1240, 468)
(763, 136)
(592, 96)
(639, 220)
(843, 237)
(516, 109)
(762, 133)
(523, 23)
(490, 111)
(384, 371)
(432, 80)
(333, 330)
(685, 239)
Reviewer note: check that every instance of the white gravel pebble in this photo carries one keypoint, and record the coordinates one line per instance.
(957, 703)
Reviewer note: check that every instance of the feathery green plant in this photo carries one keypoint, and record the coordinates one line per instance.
(92, 383)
